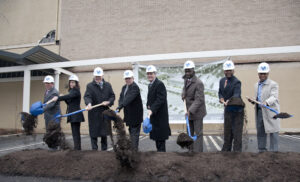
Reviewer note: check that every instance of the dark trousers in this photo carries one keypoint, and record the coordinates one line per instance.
(94, 141)
(233, 131)
(160, 145)
(76, 135)
(196, 126)
(134, 136)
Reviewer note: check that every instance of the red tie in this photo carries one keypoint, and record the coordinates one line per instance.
(225, 83)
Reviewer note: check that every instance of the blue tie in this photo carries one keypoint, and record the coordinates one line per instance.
(259, 91)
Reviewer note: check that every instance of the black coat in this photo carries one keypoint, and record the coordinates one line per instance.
(157, 103)
(94, 94)
(73, 102)
(132, 103)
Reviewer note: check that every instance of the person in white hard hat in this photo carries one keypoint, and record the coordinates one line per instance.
(266, 92)
(98, 91)
(230, 89)
(53, 108)
(157, 106)
(193, 94)
(130, 99)
(73, 99)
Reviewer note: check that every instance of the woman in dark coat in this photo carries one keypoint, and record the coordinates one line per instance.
(73, 102)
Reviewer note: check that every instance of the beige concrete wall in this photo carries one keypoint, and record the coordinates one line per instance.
(110, 28)
(285, 74)
(26, 21)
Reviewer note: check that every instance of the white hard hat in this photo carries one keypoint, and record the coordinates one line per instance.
(228, 65)
(263, 68)
(98, 71)
(151, 69)
(128, 74)
(189, 64)
(48, 79)
(74, 78)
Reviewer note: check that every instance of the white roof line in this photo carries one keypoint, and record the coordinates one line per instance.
(157, 57)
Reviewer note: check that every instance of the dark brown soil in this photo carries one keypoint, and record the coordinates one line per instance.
(291, 133)
(29, 122)
(234, 101)
(154, 166)
(282, 115)
(54, 137)
(184, 140)
(124, 153)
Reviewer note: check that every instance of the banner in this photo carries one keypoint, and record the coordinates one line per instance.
(210, 74)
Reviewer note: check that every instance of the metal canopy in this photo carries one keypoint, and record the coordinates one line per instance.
(36, 55)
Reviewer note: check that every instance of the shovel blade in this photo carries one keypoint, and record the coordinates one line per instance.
(184, 140)
(282, 115)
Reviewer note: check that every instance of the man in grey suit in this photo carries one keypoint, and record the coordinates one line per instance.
(193, 93)
(52, 109)
(266, 92)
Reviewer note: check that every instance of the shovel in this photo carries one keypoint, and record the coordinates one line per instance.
(185, 140)
(37, 107)
(147, 126)
(281, 115)
(76, 112)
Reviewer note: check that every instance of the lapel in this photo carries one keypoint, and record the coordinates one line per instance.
(151, 89)
(129, 87)
(264, 89)
(48, 95)
(193, 80)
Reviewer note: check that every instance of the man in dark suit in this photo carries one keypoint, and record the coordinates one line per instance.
(157, 106)
(229, 88)
(98, 91)
(130, 99)
(53, 108)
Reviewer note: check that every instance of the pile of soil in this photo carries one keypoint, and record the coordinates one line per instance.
(154, 166)
(54, 137)
(123, 149)
(29, 122)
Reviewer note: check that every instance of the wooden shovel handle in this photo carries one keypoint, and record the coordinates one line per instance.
(101, 104)
(255, 101)
(185, 109)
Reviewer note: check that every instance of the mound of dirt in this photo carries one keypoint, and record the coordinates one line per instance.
(154, 166)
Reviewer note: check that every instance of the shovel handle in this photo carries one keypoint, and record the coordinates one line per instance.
(185, 109)
(271, 109)
(75, 112)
